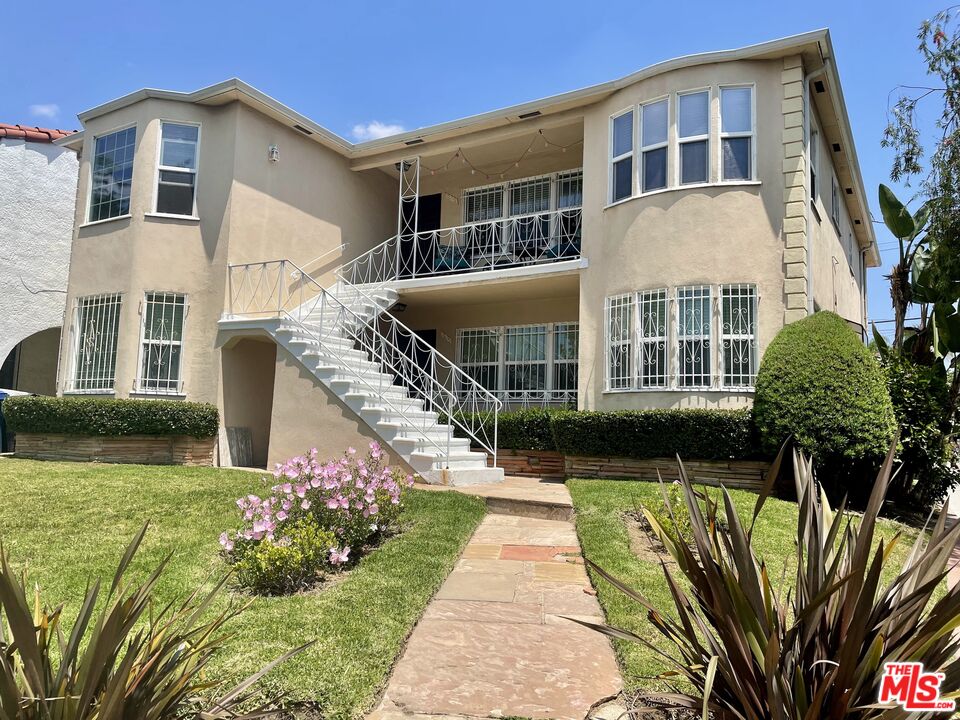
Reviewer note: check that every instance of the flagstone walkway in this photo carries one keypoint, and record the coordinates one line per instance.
(494, 642)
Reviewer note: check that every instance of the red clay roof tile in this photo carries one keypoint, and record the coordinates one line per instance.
(32, 133)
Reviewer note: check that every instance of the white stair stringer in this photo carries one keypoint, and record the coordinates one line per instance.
(387, 406)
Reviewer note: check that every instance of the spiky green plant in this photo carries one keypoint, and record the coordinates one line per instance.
(745, 648)
(133, 660)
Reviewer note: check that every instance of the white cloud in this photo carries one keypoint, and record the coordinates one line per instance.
(376, 129)
(45, 110)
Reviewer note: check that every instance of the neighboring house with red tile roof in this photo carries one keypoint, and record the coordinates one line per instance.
(32, 133)
(38, 188)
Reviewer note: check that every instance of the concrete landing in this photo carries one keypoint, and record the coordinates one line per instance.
(492, 643)
(529, 497)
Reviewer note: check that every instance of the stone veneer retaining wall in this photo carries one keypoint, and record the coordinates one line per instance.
(140, 449)
(744, 474)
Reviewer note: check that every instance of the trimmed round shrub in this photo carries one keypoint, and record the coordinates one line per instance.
(289, 564)
(819, 383)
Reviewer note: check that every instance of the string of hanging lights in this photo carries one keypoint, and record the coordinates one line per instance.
(491, 173)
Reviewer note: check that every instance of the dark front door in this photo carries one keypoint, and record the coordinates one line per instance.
(415, 261)
(417, 354)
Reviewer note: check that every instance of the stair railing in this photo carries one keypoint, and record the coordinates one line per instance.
(354, 313)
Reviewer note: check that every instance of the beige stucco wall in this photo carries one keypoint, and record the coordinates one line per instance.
(247, 367)
(307, 415)
(837, 282)
(708, 235)
(36, 366)
(250, 210)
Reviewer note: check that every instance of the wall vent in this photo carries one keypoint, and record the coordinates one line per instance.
(415, 141)
(535, 113)
(302, 129)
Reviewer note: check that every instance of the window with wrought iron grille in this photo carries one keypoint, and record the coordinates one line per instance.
(161, 342)
(736, 133)
(694, 322)
(653, 145)
(570, 189)
(482, 204)
(621, 156)
(525, 361)
(693, 109)
(177, 169)
(738, 335)
(566, 356)
(111, 174)
(619, 321)
(96, 326)
(653, 338)
(479, 355)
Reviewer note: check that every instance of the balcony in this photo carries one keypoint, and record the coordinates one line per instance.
(513, 242)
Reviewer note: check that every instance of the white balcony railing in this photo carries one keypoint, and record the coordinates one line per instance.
(519, 241)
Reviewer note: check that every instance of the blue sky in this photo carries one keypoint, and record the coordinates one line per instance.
(351, 66)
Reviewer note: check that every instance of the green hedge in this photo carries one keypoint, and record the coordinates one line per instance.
(97, 416)
(696, 434)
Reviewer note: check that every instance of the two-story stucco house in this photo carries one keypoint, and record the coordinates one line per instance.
(635, 244)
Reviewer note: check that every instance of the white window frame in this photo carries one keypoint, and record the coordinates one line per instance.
(681, 141)
(140, 383)
(706, 338)
(729, 334)
(614, 304)
(752, 134)
(659, 340)
(644, 149)
(170, 168)
(93, 154)
(569, 394)
(539, 329)
(814, 157)
(835, 201)
(504, 188)
(631, 155)
(102, 301)
(549, 393)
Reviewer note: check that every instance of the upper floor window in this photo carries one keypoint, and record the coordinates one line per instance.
(161, 342)
(621, 156)
(814, 154)
(653, 145)
(835, 201)
(736, 133)
(112, 174)
(693, 135)
(177, 169)
(96, 326)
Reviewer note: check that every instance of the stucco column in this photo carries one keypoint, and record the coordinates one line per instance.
(795, 262)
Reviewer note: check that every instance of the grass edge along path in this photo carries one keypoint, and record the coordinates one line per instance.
(68, 522)
(601, 506)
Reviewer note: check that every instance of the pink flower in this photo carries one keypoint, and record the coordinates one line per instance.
(281, 516)
(338, 557)
(305, 504)
(351, 451)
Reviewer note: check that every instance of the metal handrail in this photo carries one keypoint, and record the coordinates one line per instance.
(296, 273)
(255, 290)
(517, 241)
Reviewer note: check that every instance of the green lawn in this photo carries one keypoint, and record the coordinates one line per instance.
(601, 506)
(70, 521)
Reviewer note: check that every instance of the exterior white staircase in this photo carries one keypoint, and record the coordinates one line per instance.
(346, 338)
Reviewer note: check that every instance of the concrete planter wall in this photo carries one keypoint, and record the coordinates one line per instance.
(139, 449)
(745, 474)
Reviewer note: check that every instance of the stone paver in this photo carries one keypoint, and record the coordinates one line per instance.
(493, 643)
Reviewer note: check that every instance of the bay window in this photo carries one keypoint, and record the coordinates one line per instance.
(96, 326)
(736, 133)
(653, 145)
(621, 156)
(161, 342)
(111, 174)
(177, 169)
(655, 341)
(693, 136)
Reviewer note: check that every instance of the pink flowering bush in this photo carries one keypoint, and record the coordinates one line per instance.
(318, 515)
